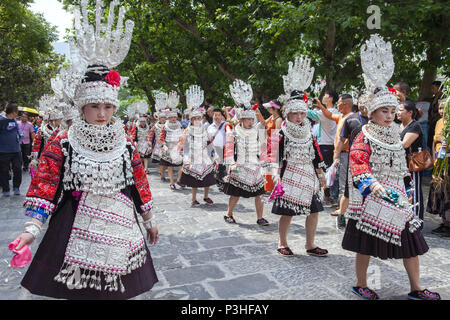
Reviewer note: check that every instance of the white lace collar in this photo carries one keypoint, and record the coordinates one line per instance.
(98, 143)
(300, 133)
(386, 137)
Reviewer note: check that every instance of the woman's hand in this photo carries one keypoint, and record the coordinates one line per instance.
(378, 190)
(276, 179)
(323, 181)
(25, 239)
(153, 235)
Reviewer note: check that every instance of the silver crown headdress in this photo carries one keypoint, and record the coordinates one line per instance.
(161, 104)
(194, 99)
(101, 46)
(48, 108)
(299, 77)
(137, 109)
(61, 86)
(173, 99)
(242, 94)
(377, 62)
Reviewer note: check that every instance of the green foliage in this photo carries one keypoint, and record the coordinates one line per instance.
(27, 60)
(177, 43)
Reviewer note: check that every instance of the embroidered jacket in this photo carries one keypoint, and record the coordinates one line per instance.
(46, 186)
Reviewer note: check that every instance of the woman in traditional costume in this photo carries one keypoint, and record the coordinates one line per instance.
(243, 155)
(198, 165)
(141, 130)
(154, 145)
(169, 139)
(91, 182)
(386, 226)
(301, 163)
(52, 116)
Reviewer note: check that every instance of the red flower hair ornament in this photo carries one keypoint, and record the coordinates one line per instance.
(113, 78)
(392, 90)
(305, 98)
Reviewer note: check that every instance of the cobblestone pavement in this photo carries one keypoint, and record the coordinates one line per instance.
(199, 256)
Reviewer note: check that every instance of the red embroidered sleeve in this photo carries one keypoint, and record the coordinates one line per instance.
(162, 136)
(151, 135)
(359, 159)
(318, 159)
(133, 131)
(229, 149)
(36, 143)
(272, 148)
(140, 179)
(44, 184)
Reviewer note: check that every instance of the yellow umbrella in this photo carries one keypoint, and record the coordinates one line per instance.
(30, 110)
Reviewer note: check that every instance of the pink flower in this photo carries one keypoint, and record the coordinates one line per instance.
(113, 78)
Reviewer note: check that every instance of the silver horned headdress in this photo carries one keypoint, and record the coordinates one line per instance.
(242, 94)
(173, 99)
(299, 78)
(194, 99)
(63, 87)
(377, 62)
(49, 108)
(137, 110)
(161, 104)
(100, 49)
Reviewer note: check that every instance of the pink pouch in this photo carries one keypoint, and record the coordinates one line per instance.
(277, 192)
(22, 257)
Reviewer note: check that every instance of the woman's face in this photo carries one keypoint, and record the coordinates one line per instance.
(173, 119)
(273, 111)
(441, 109)
(247, 123)
(384, 116)
(296, 117)
(98, 113)
(404, 115)
(196, 121)
(162, 120)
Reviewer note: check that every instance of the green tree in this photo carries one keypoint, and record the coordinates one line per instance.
(177, 43)
(27, 60)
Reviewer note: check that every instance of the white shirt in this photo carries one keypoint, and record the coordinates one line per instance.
(328, 128)
(219, 140)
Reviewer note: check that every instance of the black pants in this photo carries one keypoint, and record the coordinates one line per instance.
(26, 151)
(327, 152)
(5, 161)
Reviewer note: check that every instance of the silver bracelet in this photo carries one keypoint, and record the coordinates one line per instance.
(148, 224)
(33, 228)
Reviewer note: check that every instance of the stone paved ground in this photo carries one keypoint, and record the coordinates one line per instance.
(199, 256)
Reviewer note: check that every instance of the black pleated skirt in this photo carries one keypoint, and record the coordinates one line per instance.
(413, 244)
(50, 256)
(164, 163)
(192, 182)
(316, 206)
(232, 190)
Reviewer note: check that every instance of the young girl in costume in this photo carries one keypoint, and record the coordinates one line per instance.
(385, 227)
(244, 157)
(198, 165)
(91, 184)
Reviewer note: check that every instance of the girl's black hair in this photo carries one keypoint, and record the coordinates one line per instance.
(96, 73)
(409, 106)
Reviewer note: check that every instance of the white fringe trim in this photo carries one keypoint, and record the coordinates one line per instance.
(77, 277)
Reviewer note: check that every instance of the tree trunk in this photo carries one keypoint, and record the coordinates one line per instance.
(329, 56)
(433, 56)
